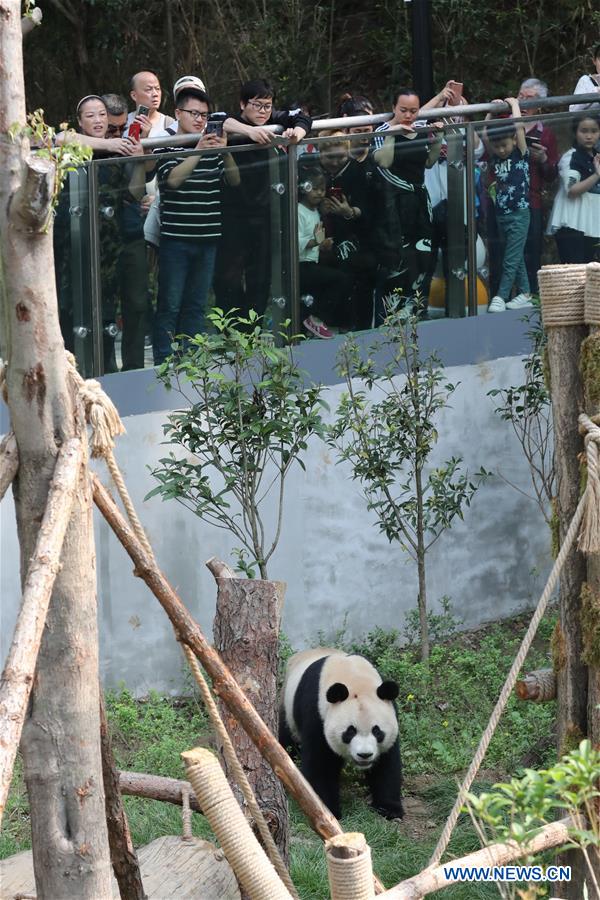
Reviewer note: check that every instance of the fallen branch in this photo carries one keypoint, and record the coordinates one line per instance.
(434, 879)
(156, 787)
(122, 853)
(224, 685)
(17, 677)
(9, 462)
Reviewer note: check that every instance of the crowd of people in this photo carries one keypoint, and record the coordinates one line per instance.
(372, 208)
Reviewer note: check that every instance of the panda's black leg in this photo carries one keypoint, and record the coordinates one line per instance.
(385, 783)
(285, 737)
(322, 771)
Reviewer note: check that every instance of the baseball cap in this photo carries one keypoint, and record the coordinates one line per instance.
(188, 82)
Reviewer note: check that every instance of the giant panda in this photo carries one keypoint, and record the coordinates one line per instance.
(336, 709)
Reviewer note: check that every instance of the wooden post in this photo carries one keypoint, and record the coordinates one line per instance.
(9, 462)
(562, 292)
(224, 685)
(60, 743)
(19, 668)
(156, 787)
(590, 367)
(246, 634)
(122, 854)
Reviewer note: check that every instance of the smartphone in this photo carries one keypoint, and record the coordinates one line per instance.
(135, 128)
(533, 141)
(336, 193)
(457, 90)
(214, 127)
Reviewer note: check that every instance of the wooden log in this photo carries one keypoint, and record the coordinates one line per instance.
(539, 686)
(9, 462)
(564, 287)
(434, 879)
(246, 634)
(122, 853)
(156, 787)
(590, 366)
(225, 686)
(19, 669)
(349, 867)
(564, 346)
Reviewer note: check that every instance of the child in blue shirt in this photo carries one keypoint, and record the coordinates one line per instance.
(509, 188)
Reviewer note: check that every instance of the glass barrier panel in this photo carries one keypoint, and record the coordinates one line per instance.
(171, 243)
(547, 222)
(72, 265)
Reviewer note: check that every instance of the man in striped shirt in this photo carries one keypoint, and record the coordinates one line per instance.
(190, 216)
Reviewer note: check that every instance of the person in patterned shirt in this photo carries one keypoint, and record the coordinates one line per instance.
(509, 188)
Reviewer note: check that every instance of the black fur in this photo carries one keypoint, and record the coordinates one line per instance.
(322, 767)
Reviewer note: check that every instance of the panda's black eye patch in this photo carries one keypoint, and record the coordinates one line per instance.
(349, 733)
(377, 733)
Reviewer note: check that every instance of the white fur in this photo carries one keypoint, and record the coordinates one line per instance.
(363, 708)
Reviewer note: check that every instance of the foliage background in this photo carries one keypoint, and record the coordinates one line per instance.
(312, 51)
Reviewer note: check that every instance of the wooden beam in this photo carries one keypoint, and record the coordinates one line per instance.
(434, 879)
(224, 685)
(18, 674)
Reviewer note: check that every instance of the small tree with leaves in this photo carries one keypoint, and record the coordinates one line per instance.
(387, 432)
(527, 408)
(249, 415)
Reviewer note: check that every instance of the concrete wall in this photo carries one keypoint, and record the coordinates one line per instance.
(333, 558)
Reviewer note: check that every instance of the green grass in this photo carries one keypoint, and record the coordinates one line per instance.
(443, 710)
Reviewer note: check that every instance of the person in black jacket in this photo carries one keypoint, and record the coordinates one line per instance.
(243, 267)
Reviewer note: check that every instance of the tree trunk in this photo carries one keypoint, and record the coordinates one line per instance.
(590, 359)
(61, 736)
(423, 623)
(246, 634)
(564, 345)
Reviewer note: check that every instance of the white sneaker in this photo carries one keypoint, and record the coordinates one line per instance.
(497, 304)
(519, 302)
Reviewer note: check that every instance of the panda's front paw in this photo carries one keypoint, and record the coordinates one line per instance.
(391, 809)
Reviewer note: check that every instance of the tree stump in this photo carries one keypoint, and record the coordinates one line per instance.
(246, 634)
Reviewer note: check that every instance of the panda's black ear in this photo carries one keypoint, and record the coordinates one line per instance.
(337, 692)
(388, 690)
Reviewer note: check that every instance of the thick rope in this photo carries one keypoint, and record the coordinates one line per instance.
(234, 766)
(589, 538)
(509, 684)
(246, 857)
(186, 814)
(562, 289)
(349, 867)
(591, 301)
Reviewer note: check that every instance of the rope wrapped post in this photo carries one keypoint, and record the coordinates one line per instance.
(539, 686)
(244, 854)
(562, 294)
(349, 867)
(591, 298)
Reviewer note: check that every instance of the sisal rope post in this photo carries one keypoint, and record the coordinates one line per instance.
(243, 852)
(591, 301)
(589, 538)
(349, 867)
(186, 813)
(538, 686)
(562, 290)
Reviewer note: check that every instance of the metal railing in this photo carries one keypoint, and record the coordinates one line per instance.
(461, 140)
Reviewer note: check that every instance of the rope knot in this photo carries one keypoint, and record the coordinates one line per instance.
(589, 536)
